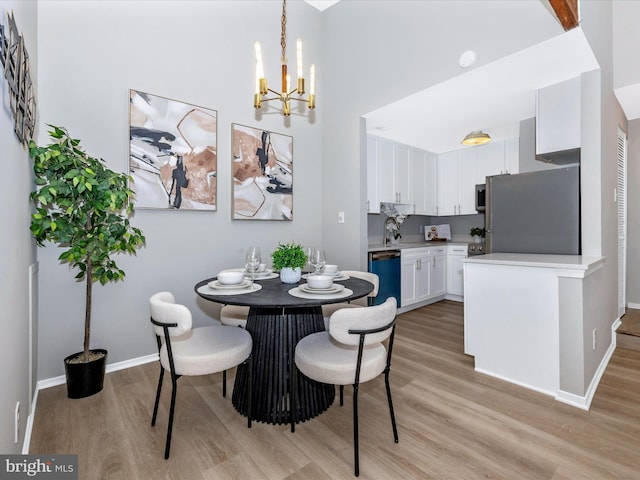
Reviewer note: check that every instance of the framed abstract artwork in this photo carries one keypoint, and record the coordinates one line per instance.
(173, 156)
(262, 174)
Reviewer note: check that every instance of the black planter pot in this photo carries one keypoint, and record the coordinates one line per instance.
(85, 379)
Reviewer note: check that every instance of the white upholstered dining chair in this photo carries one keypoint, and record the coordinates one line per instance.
(193, 351)
(234, 315)
(331, 308)
(351, 352)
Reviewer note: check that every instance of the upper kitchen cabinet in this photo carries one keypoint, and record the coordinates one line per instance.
(373, 201)
(388, 173)
(497, 158)
(558, 121)
(424, 182)
(457, 178)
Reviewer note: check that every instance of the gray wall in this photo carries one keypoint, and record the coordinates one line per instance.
(600, 120)
(17, 252)
(91, 54)
(633, 213)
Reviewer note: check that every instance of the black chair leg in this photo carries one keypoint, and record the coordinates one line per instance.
(224, 383)
(393, 417)
(292, 394)
(356, 451)
(174, 382)
(155, 407)
(250, 380)
(341, 395)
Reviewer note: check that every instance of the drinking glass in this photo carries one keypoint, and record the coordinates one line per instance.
(308, 251)
(318, 260)
(252, 262)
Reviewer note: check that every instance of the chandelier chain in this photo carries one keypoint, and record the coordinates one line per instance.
(283, 35)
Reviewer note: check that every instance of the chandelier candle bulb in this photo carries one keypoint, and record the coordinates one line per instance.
(299, 57)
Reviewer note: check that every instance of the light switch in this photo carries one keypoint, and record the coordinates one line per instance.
(340, 217)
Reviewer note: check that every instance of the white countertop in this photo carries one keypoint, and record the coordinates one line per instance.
(575, 262)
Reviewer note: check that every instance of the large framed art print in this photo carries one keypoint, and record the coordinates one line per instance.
(173, 158)
(262, 174)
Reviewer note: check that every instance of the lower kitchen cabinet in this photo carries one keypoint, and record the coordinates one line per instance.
(438, 272)
(423, 274)
(455, 280)
(414, 280)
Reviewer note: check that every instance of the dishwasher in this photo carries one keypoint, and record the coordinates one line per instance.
(386, 264)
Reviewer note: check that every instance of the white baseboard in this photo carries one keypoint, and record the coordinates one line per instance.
(55, 381)
(633, 305)
(584, 402)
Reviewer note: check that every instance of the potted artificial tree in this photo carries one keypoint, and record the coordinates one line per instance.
(84, 207)
(289, 259)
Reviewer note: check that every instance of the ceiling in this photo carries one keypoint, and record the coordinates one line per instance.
(321, 4)
(493, 98)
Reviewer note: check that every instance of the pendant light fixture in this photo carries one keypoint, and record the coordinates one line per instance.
(285, 95)
(476, 138)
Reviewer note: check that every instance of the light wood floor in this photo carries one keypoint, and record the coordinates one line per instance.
(453, 424)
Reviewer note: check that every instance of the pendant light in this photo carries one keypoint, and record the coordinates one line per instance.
(476, 138)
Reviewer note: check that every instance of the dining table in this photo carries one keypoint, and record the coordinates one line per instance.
(281, 314)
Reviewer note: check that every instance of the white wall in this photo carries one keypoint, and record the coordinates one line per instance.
(91, 54)
(17, 250)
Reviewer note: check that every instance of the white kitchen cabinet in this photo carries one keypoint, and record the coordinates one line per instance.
(490, 160)
(424, 182)
(558, 117)
(455, 279)
(423, 274)
(512, 155)
(448, 183)
(385, 165)
(392, 172)
(457, 178)
(438, 271)
(373, 200)
(468, 174)
(498, 158)
(414, 277)
(402, 173)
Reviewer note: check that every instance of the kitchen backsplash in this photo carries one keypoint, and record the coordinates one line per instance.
(410, 229)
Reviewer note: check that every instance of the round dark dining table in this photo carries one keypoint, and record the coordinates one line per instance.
(277, 321)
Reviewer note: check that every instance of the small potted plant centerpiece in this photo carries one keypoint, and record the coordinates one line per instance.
(478, 234)
(83, 207)
(289, 258)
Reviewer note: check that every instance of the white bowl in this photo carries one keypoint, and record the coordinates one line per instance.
(230, 277)
(319, 281)
(330, 269)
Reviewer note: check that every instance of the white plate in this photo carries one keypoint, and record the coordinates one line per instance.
(216, 285)
(322, 291)
(267, 272)
(336, 277)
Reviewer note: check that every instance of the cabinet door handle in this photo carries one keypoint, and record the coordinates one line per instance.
(434, 262)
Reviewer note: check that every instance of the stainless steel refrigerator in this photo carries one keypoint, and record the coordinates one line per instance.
(534, 212)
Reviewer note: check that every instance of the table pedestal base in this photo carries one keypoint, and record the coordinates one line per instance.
(275, 333)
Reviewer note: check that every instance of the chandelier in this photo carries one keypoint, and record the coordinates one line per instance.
(285, 95)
